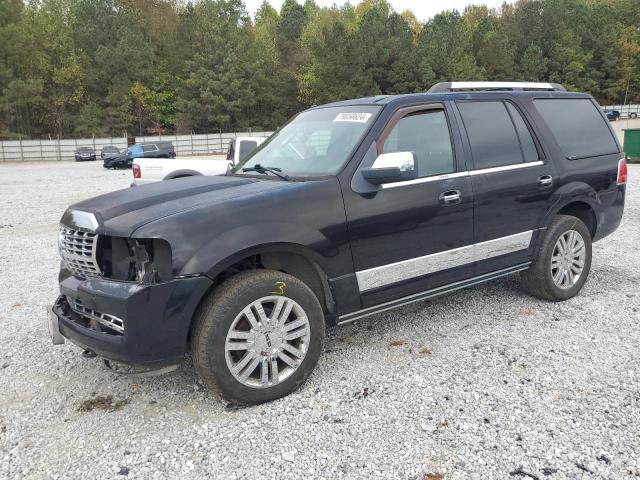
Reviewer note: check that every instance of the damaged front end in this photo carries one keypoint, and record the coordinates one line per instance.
(119, 297)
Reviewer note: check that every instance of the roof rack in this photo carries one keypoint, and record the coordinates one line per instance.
(492, 86)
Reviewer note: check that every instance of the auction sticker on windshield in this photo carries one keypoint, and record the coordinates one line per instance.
(353, 117)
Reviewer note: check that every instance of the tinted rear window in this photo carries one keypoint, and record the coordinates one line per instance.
(492, 135)
(577, 126)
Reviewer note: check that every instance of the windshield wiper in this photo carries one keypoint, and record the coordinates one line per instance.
(274, 170)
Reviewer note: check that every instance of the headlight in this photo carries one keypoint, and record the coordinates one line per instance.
(134, 259)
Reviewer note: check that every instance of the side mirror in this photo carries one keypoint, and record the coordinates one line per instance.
(390, 168)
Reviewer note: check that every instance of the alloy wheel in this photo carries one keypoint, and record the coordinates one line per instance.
(267, 341)
(567, 259)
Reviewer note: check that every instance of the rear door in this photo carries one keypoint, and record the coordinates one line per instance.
(411, 236)
(149, 150)
(513, 183)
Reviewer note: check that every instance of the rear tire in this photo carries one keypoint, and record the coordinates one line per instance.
(563, 262)
(242, 339)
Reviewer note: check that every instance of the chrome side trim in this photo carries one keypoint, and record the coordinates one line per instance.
(506, 168)
(435, 178)
(434, 292)
(416, 267)
(447, 176)
(502, 245)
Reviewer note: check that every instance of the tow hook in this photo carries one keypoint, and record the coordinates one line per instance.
(87, 353)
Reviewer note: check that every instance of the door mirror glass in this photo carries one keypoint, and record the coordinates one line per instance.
(391, 167)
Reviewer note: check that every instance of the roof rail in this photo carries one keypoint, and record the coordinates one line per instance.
(490, 86)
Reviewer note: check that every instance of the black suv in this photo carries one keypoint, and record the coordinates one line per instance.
(351, 209)
(152, 150)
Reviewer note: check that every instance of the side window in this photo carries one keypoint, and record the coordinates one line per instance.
(577, 126)
(426, 134)
(148, 148)
(246, 147)
(529, 150)
(492, 135)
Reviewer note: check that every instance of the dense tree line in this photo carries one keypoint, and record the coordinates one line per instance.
(106, 67)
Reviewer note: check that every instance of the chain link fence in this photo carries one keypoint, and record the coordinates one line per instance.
(56, 150)
(64, 150)
(207, 144)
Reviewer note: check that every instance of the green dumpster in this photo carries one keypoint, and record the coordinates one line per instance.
(632, 144)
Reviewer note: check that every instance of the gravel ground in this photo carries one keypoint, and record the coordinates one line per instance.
(484, 383)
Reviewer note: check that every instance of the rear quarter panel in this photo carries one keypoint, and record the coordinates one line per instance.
(591, 180)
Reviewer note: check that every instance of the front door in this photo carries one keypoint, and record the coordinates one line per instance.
(414, 235)
(512, 182)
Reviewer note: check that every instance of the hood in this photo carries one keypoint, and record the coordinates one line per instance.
(122, 212)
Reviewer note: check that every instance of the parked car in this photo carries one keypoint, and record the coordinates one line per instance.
(148, 170)
(152, 150)
(85, 153)
(626, 111)
(350, 209)
(612, 115)
(118, 162)
(109, 151)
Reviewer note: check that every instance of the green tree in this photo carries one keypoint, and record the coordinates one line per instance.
(384, 40)
(533, 65)
(444, 46)
(110, 67)
(336, 69)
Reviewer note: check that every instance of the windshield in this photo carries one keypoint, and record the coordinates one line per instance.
(315, 143)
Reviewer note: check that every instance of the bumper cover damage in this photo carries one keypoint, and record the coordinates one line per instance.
(137, 324)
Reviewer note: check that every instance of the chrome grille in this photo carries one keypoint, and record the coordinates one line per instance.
(111, 321)
(78, 251)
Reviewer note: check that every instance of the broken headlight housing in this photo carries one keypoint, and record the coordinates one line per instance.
(135, 259)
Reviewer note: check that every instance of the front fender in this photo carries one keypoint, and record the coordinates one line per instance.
(233, 245)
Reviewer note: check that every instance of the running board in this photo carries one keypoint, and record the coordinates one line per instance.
(434, 292)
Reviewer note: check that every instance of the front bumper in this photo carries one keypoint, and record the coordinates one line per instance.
(156, 318)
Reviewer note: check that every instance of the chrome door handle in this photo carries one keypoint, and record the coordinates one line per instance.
(545, 180)
(450, 197)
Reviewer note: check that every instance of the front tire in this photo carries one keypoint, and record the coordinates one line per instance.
(258, 336)
(563, 262)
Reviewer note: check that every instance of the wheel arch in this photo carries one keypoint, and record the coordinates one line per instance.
(585, 212)
(579, 200)
(296, 260)
(182, 173)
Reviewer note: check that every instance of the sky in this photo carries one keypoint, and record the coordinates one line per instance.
(423, 9)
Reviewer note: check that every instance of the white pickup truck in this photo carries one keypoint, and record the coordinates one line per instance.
(147, 170)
